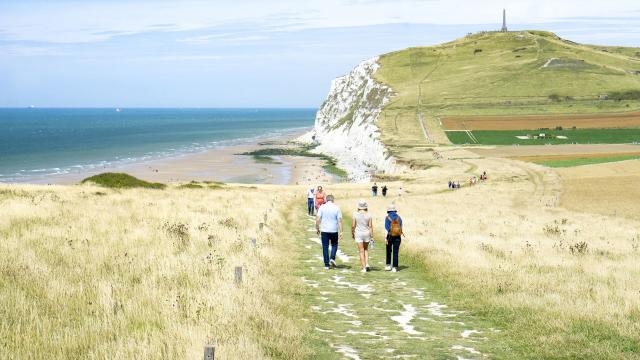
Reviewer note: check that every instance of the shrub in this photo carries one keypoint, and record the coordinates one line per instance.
(191, 185)
(121, 181)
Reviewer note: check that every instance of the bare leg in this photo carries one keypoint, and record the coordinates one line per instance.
(361, 250)
(365, 251)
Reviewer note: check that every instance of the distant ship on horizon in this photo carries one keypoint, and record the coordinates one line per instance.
(118, 110)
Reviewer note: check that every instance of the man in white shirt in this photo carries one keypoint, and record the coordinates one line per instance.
(330, 228)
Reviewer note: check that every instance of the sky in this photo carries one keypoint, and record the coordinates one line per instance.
(253, 53)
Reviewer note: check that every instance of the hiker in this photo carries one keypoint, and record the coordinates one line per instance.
(450, 184)
(374, 190)
(320, 197)
(393, 225)
(330, 228)
(384, 190)
(311, 201)
(400, 191)
(362, 232)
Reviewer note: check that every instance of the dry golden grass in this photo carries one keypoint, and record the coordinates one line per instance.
(608, 189)
(92, 273)
(87, 272)
(560, 282)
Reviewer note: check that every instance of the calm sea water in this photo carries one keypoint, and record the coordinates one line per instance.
(36, 143)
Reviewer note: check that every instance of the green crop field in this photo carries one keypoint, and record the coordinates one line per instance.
(527, 72)
(585, 161)
(578, 136)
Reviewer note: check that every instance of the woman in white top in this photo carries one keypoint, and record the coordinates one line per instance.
(362, 232)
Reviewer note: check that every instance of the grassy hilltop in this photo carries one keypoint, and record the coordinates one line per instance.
(514, 73)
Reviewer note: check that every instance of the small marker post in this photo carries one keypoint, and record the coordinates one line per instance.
(209, 352)
(238, 275)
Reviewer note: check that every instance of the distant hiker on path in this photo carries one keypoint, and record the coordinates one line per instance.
(374, 190)
(384, 190)
(311, 201)
(320, 197)
(393, 225)
(362, 232)
(330, 228)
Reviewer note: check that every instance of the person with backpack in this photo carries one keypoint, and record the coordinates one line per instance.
(393, 225)
(374, 190)
(320, 197)
(362, 232)
(330, 228)
(384, 190)
(310, 201)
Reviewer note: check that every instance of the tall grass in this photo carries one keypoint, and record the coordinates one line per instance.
(556, 283)
(88, 272)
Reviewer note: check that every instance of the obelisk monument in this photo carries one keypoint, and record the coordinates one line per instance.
(504, 20)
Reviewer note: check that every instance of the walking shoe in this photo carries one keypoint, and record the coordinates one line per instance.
(387, 268)
(394, 270)
(332, 263)
(364, 270)
(326, 268)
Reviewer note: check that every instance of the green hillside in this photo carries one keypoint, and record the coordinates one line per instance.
(527, 72)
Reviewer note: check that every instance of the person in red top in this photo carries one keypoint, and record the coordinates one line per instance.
(321, 197)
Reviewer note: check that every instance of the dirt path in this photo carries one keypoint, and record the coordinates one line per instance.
(381, 314)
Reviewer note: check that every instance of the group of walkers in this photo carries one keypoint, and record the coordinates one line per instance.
(472, 181)
(330, 227)
(384, 190)
(374, 190)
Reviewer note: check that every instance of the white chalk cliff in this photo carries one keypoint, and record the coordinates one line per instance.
(345, 125)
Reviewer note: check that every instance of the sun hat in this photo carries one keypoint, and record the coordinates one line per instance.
(391, 208)
(362, 205)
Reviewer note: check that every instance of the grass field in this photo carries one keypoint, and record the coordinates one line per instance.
(578, 136)
(609, 189)
(515, 73)
(499, 268)
(577, 160)
(91, 272)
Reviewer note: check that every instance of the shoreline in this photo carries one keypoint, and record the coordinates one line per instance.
(221, 164)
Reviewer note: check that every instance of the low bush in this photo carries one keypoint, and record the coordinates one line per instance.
(121, 181)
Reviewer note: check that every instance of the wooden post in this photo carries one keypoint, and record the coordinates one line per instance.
(238, 275)
(209, 352)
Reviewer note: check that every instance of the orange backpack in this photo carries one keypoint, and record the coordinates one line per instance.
(395, 229)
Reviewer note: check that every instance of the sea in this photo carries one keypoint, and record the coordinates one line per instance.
(36, 143)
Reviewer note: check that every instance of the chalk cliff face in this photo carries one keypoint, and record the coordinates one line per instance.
(345, 125)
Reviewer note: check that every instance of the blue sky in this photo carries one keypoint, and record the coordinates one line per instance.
(253, 53)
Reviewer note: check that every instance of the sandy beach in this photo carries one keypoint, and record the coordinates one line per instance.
(223, 164)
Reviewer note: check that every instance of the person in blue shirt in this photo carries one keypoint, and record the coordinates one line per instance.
(393, 225)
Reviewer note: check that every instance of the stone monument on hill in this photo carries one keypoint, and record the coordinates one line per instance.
(504, 21)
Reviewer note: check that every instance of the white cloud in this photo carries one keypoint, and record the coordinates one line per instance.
(90, 21)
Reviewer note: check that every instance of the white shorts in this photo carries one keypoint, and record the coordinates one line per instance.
(363, 237)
